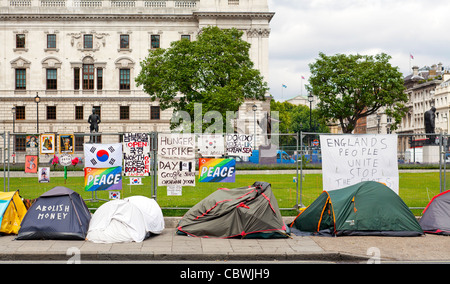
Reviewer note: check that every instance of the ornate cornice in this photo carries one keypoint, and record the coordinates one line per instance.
(233, 15)
(134, 17)
(95, 17)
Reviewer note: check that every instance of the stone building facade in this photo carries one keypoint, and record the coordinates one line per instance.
(83, 55)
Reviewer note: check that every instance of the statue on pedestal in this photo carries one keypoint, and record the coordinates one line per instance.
(94, 121)
(429, 120)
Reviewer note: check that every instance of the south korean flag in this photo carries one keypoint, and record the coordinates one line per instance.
(102, 155)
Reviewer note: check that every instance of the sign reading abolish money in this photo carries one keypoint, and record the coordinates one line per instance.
(239, 144)
(176, 164)
(136, 149)
(217, 170)
(350, 159)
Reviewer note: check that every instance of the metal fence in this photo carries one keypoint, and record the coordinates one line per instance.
(295, 171)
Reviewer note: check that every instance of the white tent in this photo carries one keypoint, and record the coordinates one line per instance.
(127, 220)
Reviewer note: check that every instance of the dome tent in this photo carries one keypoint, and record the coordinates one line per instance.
(364, 209)
(129, 220)
(12, 212)
(58, 214)
(436, 216)
(244, 212)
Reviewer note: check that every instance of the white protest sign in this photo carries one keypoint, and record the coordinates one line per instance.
(176, 164)
(211, 145)
(239, 144)
(350, 159)
(136, 149)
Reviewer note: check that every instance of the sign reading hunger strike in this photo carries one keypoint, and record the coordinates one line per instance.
(176, 164)
(136, 149)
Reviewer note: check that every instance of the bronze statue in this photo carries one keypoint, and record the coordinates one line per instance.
(94, 121)
(429, 120)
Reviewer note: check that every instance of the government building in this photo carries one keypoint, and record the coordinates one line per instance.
(60, 60)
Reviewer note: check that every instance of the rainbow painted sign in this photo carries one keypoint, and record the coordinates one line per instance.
(217, 170)
(102, 179)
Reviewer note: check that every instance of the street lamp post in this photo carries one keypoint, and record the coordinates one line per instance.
(13, 110)
(254, 108)
(310, 100)
(37, 99)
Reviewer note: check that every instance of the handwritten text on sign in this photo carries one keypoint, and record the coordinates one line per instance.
(350, 159)
(176, 164)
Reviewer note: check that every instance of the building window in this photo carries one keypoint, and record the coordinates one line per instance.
(124, 79)
(99, 78)
(188, 37)
(20, 41)
(79, 142)
(88, 41)
(124, 112)
(155, 112)
(124, 41)
(76, 78)
(155, 41)
(19, 143)
(20, 112)
(21, 79)
(51, 79)
(51, 41)
(79, 111)
(88, 76)
(51, 112)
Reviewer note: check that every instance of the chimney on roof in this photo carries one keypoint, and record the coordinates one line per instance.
(415, 70)
(433, 70)
(440, 68)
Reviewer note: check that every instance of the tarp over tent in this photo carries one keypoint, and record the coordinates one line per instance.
(58, 214)
(12, 212)
(244, 212)
(127, 220)
(436, 216)
(366, 208)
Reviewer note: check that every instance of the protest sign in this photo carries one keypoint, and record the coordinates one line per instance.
(103, 179)
(136, 149)
(239, 145)
(176, 164)
(211, 145)
(350, 159)
(217, 170)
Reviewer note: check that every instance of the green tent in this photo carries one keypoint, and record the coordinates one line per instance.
(363, 209)
(244, 212)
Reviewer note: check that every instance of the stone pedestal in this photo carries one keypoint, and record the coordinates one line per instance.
(431, 154)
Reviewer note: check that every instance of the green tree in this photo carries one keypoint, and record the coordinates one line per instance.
(295, 119)
(215, 70)
(350, 87)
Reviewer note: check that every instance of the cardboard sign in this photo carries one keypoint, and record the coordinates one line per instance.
(136, 149)
(350, 159)
(239, 144)
(211, 145)
(217, 170)
(176, 164)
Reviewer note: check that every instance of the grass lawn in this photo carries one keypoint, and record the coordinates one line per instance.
(416, 189)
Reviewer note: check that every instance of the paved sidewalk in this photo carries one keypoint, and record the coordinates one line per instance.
(172, 247)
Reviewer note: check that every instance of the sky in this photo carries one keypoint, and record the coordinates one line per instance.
(301, 29)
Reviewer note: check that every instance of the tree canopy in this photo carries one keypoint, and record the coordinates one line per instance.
(214, 70)
(350, 87)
